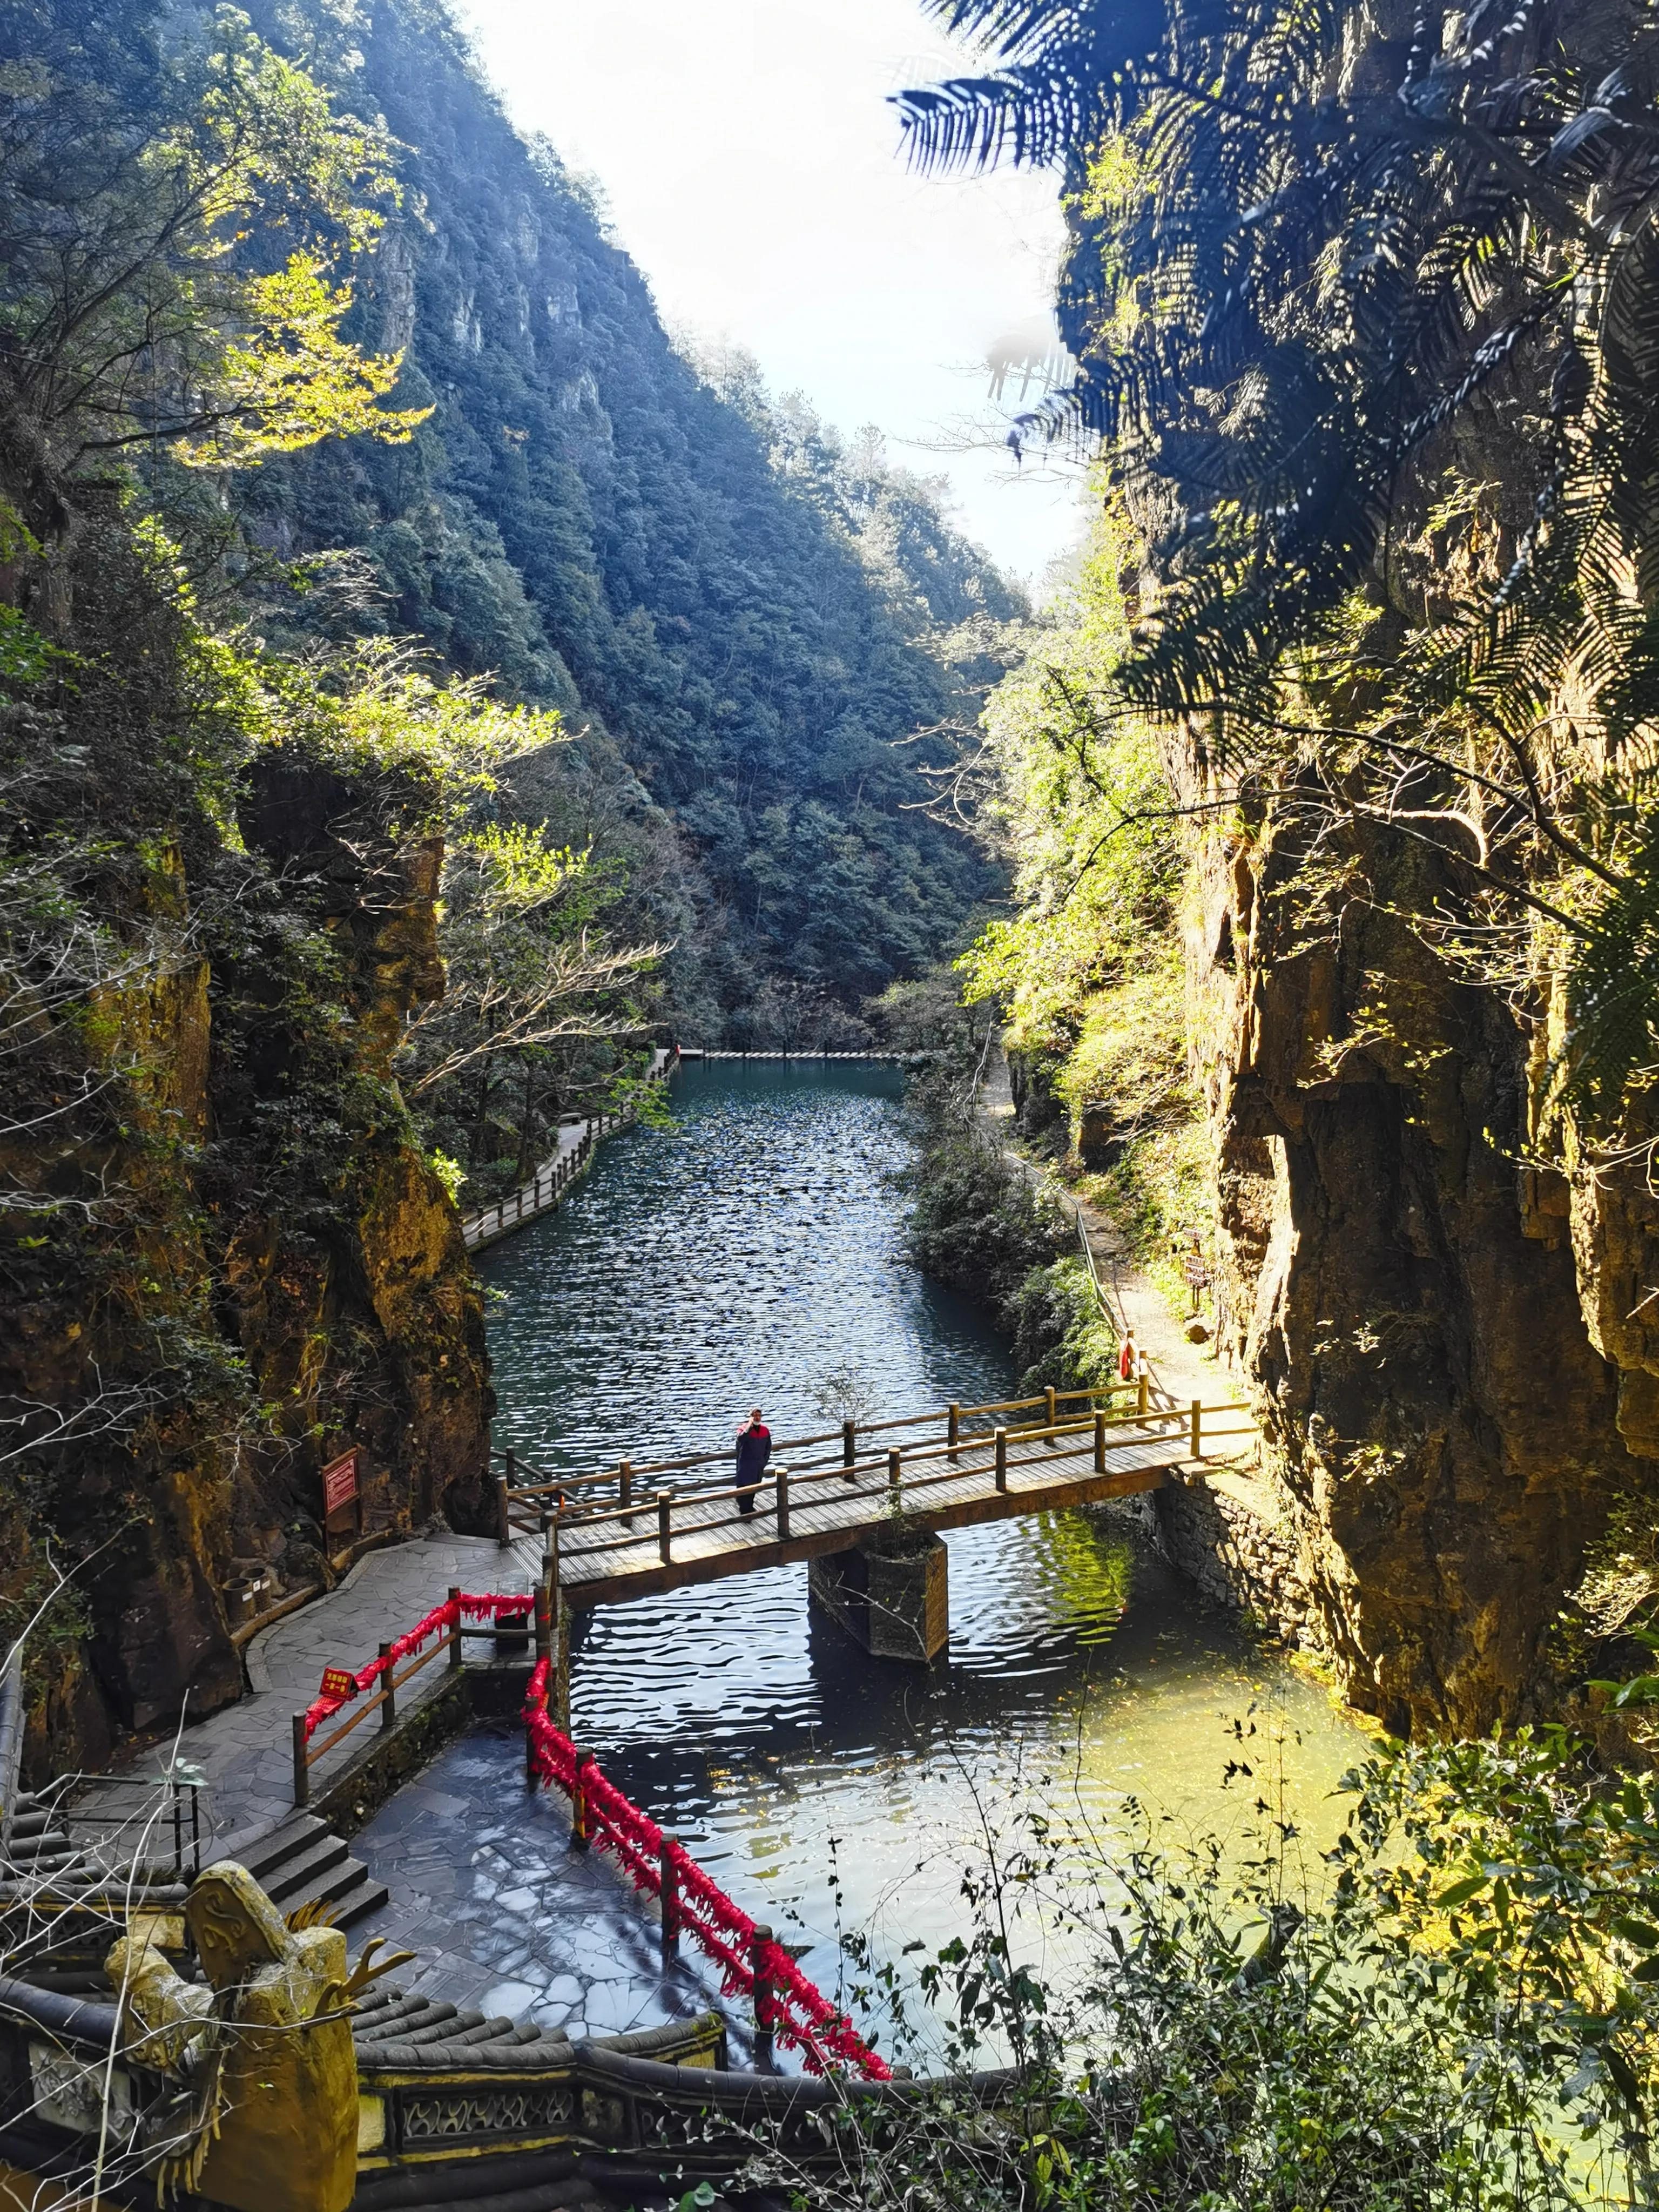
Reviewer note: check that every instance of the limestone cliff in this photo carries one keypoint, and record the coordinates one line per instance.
(1436, 1337)
(223, 1258)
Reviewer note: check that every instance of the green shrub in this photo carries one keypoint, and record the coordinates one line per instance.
(1061, 1338)
(977, 1222)
(1456, 2011)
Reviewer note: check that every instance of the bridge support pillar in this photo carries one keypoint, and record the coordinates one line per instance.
(891, 1597)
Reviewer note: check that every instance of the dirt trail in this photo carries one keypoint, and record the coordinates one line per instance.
(1185, 1370)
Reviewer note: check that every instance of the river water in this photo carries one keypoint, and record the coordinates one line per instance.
(746, 1254)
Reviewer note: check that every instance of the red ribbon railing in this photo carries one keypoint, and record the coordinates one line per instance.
(442, 1620)
(788, 2005)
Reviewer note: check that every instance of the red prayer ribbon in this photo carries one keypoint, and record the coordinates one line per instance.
(800, 2013)
(439, 1622)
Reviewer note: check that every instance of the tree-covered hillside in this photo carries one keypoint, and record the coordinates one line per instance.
(746, 619)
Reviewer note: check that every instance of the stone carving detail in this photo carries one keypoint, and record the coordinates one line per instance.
(267, 2044)
(528, 2109)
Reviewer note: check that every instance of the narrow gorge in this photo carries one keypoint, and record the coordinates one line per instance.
(864, 1343)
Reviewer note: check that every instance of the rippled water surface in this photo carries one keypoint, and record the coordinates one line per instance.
(740, 1255)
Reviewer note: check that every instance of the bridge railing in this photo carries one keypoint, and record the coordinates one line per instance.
(892, 1478)
(519, 1502)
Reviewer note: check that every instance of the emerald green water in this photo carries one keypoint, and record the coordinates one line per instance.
(738, 1256)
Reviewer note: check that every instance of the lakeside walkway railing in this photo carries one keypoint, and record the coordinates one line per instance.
(751, 1961)
(379, 1682)
(957, 1421)
(546, 1188)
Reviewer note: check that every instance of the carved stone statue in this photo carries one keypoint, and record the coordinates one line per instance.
(268, 2043)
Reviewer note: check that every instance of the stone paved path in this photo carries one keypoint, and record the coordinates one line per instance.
(245, 1750)
(505, 1916)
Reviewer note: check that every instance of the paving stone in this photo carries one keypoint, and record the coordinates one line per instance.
(245, 1750)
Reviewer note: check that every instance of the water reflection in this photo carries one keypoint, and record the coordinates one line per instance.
(745, 1252)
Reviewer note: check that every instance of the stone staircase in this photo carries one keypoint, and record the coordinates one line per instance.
(303, 1862)
(300, 1863)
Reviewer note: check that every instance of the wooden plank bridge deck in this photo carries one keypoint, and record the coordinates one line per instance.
(611, 1536)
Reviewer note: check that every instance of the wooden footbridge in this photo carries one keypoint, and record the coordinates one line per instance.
(625, 1530)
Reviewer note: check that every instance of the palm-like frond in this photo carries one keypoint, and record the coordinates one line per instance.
(1313, 261)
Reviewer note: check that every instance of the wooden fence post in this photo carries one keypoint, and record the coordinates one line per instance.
(849, 1449)
(1002, 1459)
(557, 1701)
(579, 1805)
(783, 1501)
(665, 1508)
(1198, 1410)
(894, 1472)
(1100, 1443)
(625, 1491)
(670, 1894)
(952, 1429)
(763, 1997)
(1048, 1418)
(455, 1632)
(389, 1702)
(1141, 1395)
(504, 1525)
(302, 1762)
(559, 1681)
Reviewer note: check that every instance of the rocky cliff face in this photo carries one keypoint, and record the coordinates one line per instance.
(223, 1258)
(1434, 1332)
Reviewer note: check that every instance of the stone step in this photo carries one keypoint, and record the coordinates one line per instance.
(285, 1841)
(366, 1895)
(312, 1872)
(303, 1861)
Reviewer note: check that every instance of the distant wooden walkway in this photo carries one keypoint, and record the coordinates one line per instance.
(563, 1168)
(624, 1531)
(802, 1058)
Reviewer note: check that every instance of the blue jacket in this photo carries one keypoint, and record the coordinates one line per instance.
(754, 1450)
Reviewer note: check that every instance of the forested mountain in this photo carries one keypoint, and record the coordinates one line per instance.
(418, 682)
(742, 615)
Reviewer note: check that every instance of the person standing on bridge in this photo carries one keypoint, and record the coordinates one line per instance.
(754, 1450)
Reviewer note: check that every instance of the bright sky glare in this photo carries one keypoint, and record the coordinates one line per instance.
(750, 161)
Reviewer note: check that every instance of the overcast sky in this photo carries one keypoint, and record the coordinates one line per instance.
(750, 160)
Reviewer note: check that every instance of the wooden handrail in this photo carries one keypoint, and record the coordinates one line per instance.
(838, 1471)
(548, 1483)
(1178, 1416)
(391, 1681)
(841, 1470)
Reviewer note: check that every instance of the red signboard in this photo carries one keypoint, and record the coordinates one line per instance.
(339, 1482)
(338, 1683)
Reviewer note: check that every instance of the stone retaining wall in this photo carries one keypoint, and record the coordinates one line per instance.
(1237, 1552)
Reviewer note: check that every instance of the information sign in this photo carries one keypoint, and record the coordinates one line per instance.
(339, 1482)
